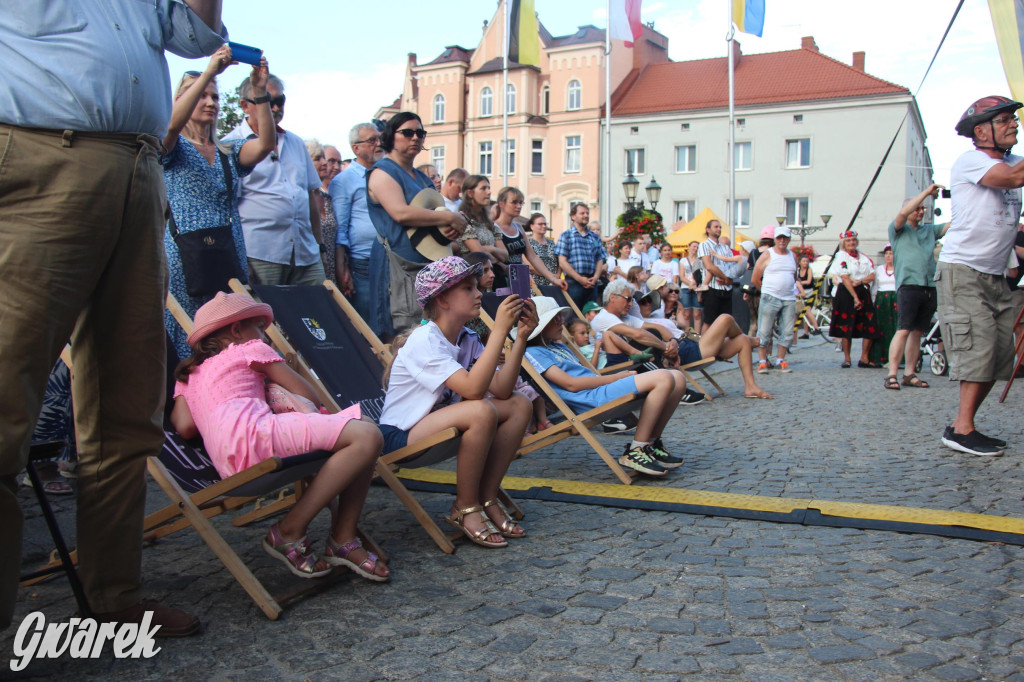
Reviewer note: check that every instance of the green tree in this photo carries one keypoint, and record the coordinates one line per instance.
(230, 113)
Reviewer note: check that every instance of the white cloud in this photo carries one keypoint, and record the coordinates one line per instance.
(326, 104)
(898, 37)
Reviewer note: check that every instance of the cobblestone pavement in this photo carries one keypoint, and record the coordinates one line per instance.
(619, 594)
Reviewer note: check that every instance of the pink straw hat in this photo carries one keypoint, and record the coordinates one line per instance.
(226, 309)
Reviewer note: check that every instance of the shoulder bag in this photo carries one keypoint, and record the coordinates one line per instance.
(208, 256)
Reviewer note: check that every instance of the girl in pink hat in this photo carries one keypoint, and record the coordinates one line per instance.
(221, 394)
(433, 386)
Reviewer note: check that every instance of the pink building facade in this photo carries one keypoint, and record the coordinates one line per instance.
(555, 112)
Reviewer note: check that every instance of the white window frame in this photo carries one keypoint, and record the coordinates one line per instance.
(545, 100)
(570, 156)
(485, 157)
(536, 153)
(635, 161)
(741, 212)
(536, 205)
(439, 108)
(691, 206)
(486, 102)
(795, 146)
(738, 156)
(510, 156)
(574, 95)
(692, 165)
(437, 159)
(793, 212)
(510, 98)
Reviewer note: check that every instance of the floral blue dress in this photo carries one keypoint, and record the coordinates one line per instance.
(199, 199)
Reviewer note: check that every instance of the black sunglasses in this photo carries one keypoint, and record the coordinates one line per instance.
(420, 133)
(274, 101)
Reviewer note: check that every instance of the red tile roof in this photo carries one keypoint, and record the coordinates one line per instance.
(797, 75)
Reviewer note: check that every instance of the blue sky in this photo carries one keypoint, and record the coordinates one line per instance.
(342, 60)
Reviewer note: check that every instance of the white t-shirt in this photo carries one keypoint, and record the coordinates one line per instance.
(985, 220)
(624, 263)
(418, 374)
(884, 280)
(451, 205)
(604, 321)
(674, 331)
(669, 270)
(857, 268)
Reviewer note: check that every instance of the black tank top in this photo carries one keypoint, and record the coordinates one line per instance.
(516, 246)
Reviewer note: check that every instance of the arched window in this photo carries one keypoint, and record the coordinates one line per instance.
(510, 98)
(545, 101)
(575, 96)
(438, 108)
(486, 102)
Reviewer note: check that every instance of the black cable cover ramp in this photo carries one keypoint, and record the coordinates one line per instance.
(803, 511)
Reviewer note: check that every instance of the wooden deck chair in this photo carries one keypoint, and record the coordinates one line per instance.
(185, 473)
(574, 424)
(563, 299)
(334, 349)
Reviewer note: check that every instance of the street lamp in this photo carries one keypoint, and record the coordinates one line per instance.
(630, 185)
(804, 229)
(653, 193)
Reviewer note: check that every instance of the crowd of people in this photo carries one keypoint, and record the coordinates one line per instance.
(89, 247)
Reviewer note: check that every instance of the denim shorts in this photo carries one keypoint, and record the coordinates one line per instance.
(394, 438)
(773, 309)
(688, 299)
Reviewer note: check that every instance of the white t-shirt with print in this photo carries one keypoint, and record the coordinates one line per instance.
(985, 220)
(669, 270)
(418, 374)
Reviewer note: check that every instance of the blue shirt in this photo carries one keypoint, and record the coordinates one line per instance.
(913, 253)
(274, 202)
(355, 229)
(95, 66)
(386, 226)
(583, 251)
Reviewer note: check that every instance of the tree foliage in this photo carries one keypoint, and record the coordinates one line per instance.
(230, 113)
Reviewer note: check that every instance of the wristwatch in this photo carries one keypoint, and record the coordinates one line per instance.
(262, 99)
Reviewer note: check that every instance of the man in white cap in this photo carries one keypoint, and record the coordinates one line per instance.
(775, 275)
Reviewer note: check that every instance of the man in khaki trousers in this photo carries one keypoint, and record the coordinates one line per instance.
(84, 99)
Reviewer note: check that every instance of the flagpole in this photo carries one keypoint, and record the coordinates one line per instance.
(504, 103)
(731, 210)
(606, 196)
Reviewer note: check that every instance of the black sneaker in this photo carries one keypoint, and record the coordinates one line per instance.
(972, 443)
(642, 460)
(662, 456)
(691, 397)
(618, 425)
(997, 442)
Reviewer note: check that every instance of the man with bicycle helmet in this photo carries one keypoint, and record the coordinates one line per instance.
(975, 304)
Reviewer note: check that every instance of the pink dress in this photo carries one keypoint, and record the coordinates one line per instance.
(227, 398)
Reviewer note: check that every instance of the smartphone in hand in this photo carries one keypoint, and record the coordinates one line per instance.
(519, 280)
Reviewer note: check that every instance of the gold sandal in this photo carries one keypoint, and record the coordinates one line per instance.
(508, 526)
(457, 518)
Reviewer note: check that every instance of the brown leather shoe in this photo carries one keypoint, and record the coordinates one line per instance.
(173, 622)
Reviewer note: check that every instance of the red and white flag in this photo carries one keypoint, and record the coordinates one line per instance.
(624, 20)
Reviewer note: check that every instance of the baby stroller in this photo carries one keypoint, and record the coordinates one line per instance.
(931, 344)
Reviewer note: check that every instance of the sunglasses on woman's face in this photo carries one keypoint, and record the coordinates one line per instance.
(408, 133)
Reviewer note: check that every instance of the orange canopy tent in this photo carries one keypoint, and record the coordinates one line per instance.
(683, 233)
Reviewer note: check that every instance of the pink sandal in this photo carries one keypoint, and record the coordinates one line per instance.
(337, 555)
(296, 555)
